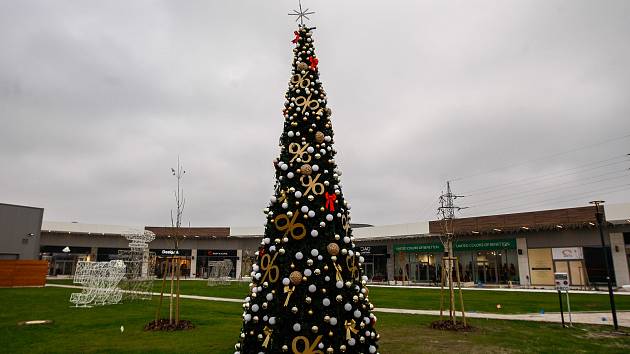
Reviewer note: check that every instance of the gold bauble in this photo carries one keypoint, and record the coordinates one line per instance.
(319, 137)
(306, 169)
(302, 66)
(333, 249)
(295, 277)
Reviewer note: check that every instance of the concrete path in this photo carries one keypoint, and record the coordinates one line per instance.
(601, 318)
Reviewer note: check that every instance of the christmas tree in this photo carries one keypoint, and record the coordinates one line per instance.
(308, 294)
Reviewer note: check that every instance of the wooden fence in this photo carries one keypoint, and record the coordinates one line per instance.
(23, 273)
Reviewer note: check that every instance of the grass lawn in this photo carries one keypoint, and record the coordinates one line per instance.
(97, 330)
(428, 299)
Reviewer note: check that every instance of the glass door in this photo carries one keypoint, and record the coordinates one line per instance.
(368, 270)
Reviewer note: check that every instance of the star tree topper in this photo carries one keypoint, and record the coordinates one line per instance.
(301, 14)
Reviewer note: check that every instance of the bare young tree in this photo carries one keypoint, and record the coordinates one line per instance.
(173, 265)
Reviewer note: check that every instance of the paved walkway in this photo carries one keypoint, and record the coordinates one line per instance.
(577, 317)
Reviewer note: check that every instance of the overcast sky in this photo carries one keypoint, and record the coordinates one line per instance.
(524, 104)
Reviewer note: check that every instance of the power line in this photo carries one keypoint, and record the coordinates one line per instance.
(552, 175)
(598, 192)
(542, 158)
(547, 189)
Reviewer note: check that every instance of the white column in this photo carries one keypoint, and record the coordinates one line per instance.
(390, 262)
(239, 263)
(523, 262)
(193, 263)
(144, 272)
(619, 260)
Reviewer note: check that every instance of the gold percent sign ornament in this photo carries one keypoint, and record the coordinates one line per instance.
(350, 263)
(272, 272)
(312, 185)
(297, 151)
(307, 102)
(289, 226)
(308, 347)
(301, 80)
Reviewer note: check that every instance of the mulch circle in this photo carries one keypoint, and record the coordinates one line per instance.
(448, 325)
(165, 325)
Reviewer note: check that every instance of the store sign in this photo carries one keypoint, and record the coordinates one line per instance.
(485, 245)
(426, 247)
(566, 253)
(460, 245)
(373, 250)
(219, 253)
(171, 252)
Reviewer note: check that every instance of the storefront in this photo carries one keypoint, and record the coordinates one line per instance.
(108, 254)
(162, 255)
(584, 265)
(480, 261)
(375, 262)
(63, 260)
(206, 257)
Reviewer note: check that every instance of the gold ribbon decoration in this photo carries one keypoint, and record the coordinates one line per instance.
(283, 196)
(351, 264)
(268, 332)
(338, 269)
(297, 151)
(288, 290)
(345, 222)
(289, 226)
(308, 348)
(350, 328)
(272, 272)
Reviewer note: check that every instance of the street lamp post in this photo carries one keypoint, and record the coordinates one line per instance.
(600, 221)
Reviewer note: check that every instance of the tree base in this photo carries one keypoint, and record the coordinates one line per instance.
(450, 325)
(165, 325)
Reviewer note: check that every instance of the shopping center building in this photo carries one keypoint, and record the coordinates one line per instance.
(519, 249)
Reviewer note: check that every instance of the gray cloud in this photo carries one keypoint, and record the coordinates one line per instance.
(97, 100)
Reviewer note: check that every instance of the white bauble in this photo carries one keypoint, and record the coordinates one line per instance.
(297, 327)
(299, 256)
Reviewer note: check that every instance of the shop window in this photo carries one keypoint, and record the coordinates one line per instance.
(595, 265)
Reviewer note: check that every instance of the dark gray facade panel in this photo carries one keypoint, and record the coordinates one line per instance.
(20, 229)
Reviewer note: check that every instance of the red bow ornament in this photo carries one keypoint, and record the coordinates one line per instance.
(314, 61)
(297, 37)
(330, 201)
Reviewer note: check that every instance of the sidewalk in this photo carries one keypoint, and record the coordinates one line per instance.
(600, 318)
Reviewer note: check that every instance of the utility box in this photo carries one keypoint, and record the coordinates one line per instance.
(562, 281)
